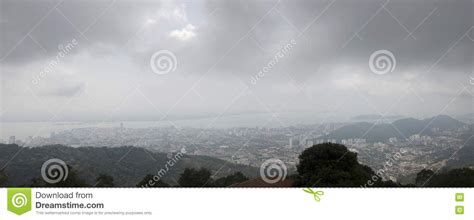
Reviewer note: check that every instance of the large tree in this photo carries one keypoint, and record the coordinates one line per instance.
(333, 165)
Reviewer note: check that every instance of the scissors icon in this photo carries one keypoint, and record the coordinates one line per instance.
(316, 194)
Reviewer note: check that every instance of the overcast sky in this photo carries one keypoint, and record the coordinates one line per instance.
(314, 57)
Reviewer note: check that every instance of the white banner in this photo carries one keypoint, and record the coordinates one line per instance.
(236, 203)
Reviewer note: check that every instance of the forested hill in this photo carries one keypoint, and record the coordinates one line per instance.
(127, 165)
(399, 129)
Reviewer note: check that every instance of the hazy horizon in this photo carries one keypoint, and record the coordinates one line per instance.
(23, 130)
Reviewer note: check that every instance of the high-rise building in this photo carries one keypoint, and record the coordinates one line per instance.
(290, 144)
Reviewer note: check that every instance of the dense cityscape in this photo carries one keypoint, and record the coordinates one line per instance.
(252, 146)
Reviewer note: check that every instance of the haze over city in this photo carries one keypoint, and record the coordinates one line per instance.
(272, 93)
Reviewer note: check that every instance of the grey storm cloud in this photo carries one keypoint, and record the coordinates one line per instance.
(244, 35)
(34, 29)
(230, 42)
(341, 32)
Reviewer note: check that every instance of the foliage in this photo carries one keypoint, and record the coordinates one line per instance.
(463, 177)
(332, 165)
(195, 178)
(3, 177)
(423, 176)
(127, 165)
(72, 180)
(105, 181)
(150, 181)
(237, 177)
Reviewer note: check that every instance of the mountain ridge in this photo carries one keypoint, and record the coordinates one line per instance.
(127, 165)
(402, 128)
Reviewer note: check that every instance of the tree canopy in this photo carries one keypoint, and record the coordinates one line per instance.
(463, 177)
(237, 177)
(104, 181)
(72, 180)
(332, 165)
(151, 181)
(195, 178)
